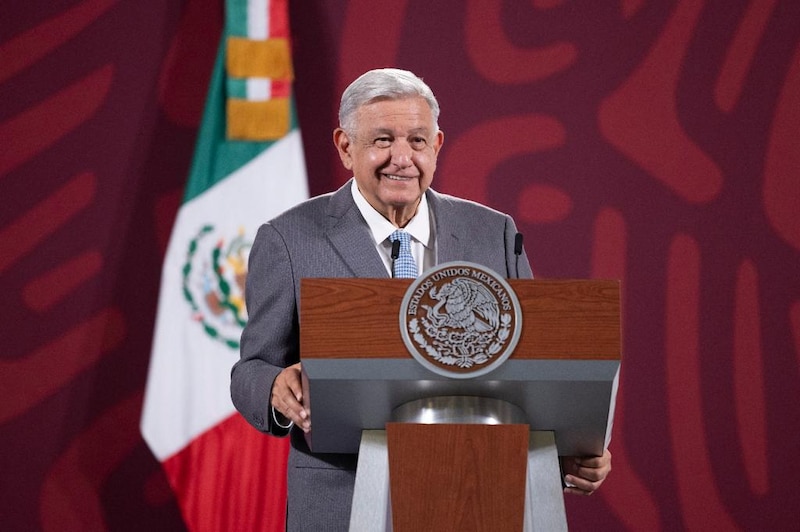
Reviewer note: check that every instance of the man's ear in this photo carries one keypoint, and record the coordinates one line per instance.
(438, 142)
(343, 144)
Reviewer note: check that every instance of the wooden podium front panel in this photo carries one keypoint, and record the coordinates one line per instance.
(352, 318)
(359, 318)
(457, 477)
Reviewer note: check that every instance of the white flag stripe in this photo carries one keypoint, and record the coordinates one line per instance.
(257, 19)
(188, 386)
(258, 89)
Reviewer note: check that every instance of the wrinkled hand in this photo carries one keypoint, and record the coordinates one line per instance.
(287, 397)
(583, 475)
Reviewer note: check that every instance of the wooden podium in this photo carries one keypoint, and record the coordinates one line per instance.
(437, 453)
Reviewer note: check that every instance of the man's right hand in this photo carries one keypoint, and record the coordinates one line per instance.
(287, 397)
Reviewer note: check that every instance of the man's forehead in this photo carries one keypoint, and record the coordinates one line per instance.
(397, 117)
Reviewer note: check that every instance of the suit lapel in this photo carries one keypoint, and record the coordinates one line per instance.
(450, 238)
(349, 234)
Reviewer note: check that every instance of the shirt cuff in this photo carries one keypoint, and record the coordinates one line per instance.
(280, 420)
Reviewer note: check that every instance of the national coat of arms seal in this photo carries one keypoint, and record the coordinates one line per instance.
(214, 282)
(460, 320)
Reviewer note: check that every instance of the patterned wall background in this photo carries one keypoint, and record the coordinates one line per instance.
(651, 141)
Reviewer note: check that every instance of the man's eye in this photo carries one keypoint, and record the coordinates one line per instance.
(383, 142)
(418, 142)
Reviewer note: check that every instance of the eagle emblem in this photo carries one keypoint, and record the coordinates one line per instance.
(213, 283)
(460, 319)
(467, 304)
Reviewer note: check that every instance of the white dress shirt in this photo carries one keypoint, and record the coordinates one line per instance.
(420, 228)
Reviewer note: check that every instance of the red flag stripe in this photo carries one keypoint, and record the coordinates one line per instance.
(231, 477)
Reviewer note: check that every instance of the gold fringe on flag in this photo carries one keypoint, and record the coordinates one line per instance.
(269, 58)
(257, 121)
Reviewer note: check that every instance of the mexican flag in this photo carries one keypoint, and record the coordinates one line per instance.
(248, 167)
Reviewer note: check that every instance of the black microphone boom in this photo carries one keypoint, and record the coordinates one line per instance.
(395, 253)
(517, 252)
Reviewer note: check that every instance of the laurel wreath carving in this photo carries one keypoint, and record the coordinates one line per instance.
(453, 347)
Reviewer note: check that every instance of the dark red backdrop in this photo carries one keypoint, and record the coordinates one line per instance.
(651, 141)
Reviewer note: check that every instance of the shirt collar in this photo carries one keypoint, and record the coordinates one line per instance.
(419, 227)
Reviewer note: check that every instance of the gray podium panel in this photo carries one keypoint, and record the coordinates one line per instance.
(573, 398)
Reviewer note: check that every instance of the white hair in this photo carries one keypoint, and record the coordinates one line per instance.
(383, 84)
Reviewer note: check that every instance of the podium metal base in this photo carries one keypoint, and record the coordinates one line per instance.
(544, 496)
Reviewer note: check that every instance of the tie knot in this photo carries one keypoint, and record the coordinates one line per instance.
(402, 236)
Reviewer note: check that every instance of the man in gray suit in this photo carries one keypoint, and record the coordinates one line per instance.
(389, 137)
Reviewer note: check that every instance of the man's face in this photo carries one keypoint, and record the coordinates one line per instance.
(392, 154)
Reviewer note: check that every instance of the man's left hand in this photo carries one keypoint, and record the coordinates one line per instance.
(583, 475)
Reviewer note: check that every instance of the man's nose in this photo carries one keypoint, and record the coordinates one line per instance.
(402, 153)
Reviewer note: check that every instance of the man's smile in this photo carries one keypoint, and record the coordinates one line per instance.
(394, 177)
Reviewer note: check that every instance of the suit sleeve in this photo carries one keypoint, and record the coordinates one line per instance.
(269, 341)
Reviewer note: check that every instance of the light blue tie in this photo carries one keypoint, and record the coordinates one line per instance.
(403, 267)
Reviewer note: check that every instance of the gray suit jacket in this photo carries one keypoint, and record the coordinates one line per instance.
(326, 236)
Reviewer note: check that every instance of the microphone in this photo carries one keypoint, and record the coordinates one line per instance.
(517, 252)
(395, 253)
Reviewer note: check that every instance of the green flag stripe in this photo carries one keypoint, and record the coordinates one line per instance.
(237, 88)
(236, 18)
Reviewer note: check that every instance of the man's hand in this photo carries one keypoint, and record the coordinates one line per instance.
(583, 475)
(287, 397)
